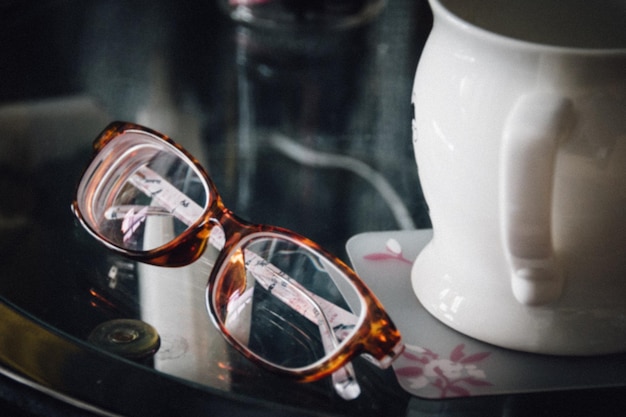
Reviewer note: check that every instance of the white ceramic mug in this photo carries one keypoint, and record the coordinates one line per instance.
(520, 142)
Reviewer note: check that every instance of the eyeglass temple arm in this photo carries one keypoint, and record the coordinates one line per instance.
(337, 314)
(173, 202)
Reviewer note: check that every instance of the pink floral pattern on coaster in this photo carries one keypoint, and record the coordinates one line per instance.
(455, 375)
(393, 251)
(424, 372)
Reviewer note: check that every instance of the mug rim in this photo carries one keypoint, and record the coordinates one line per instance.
(440, 11)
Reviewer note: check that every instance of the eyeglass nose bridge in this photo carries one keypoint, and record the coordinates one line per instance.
(183, 251)
(225, 228)
(216, 227)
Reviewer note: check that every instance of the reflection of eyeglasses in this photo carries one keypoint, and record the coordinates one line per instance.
(279, 298)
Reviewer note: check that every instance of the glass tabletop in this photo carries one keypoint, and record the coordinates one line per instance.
(306, 130)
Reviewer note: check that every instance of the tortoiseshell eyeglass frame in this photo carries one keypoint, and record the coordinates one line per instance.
(376, 335)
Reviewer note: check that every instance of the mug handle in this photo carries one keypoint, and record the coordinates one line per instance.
(531, 137)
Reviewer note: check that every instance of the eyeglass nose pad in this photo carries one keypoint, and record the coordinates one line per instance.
(233, 281)
(217, 237)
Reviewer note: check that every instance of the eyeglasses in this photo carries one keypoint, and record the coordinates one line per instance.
(279, 298)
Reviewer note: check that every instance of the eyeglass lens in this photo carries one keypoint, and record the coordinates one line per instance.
(285, 303)
(146, 194)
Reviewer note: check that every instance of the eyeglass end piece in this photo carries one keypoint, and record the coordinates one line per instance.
(386, 361)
